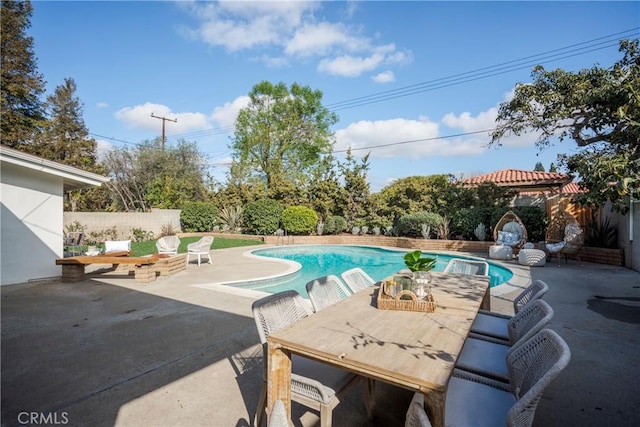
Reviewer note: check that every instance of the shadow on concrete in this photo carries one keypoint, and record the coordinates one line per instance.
(86, 350)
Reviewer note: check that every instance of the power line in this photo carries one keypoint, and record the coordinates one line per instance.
(411, 141)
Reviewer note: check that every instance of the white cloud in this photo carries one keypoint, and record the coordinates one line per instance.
(102, 105)
(290, 29)
(320, 39)
(139, 116)
(403, 138)
(228, 113)
(103, 147)
(384, 77)
(353, 66)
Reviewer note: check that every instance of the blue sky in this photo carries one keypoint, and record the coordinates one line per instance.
(442, 68)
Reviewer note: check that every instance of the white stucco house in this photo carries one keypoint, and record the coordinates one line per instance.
(32, 232)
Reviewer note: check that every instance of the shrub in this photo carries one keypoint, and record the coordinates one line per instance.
(601, 234)
(140, 235)
(410, 225)
(335, 225)
(262, 216)
(299, 220)
(198, 216)
(465, 221)
(167, 230)
(536, 221)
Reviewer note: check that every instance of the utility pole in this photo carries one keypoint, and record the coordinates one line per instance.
(164, 119)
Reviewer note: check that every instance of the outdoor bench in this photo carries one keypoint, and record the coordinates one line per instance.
(145, 267)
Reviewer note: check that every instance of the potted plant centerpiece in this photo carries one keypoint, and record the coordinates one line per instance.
(419, 266)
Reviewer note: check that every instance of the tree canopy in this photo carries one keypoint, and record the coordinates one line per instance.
(21, 85)
(282, 134)
(599, 108)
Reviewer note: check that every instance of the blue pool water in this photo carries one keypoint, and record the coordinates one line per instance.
(322, 260)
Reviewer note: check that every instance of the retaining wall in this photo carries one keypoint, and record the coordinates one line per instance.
(125, 222)
(597, 255)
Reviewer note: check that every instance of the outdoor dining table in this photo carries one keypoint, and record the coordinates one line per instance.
(413, 350)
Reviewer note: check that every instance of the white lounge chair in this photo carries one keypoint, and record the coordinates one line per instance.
(356, 279)
(200, 248)
(168, 245)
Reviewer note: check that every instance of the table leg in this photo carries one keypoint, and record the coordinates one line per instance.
(278, 379)
(434, 402)
(486, 300)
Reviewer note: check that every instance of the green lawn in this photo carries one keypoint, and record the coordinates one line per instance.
(147, 248)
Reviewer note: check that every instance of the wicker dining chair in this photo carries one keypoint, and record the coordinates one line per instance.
(314, 384)
(466, 266)
(476, 401)
(325, 291)
(494, 324)
(357, 279)
(486, 356)
(416, 415)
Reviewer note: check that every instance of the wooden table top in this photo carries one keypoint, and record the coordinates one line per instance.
(415, 350)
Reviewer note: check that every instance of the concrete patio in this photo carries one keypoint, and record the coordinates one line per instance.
(183, 350)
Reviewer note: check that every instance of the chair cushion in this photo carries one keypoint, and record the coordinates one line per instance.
(332, 379)
(513, 227)
(573, 234)
(508, 238)
(555, 247)
(484, 358)
(474, 404)
(117, 245)
(493, 326)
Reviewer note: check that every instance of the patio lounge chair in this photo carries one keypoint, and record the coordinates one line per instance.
(168, 245)
(564, 237)
(466, 266)
(485, 356)
(495, 325)
(510, 231)
(356, 279)
(314, 384)
(200, 248)
(325, 291)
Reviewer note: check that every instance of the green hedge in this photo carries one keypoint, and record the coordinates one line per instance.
(262, 216)
(335, 225)
(410, 225)
(198, 216)
(299, 220)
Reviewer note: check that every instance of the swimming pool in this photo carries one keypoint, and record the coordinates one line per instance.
(322, 260)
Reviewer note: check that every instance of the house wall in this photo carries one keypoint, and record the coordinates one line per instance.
(31, 232)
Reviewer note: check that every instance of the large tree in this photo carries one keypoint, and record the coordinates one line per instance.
(356, 200)
(21, 86)
(147, 176)
(66, 138)
(282, 134)
(598, 108)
